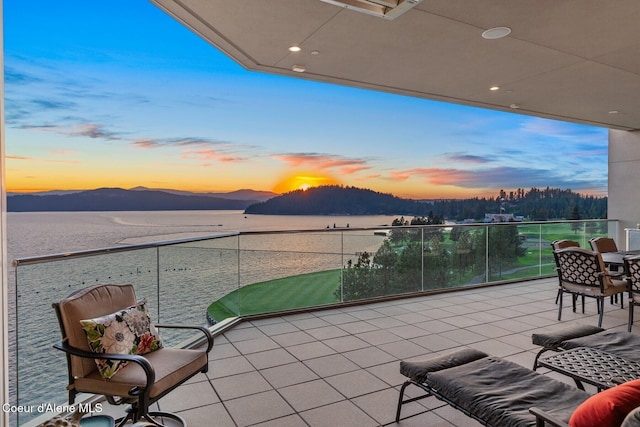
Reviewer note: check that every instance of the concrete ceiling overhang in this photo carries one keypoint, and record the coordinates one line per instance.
(572, 60)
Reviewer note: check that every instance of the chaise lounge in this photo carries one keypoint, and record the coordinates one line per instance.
(500, 393)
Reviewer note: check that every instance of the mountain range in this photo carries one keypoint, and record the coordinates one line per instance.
(135, 199)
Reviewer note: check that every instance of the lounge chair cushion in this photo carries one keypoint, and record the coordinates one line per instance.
(556, 338)
(418, 371)
(609, 407)
(501, 392)
(621, 344)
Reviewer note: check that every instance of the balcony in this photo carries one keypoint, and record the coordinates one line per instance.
(334, 363)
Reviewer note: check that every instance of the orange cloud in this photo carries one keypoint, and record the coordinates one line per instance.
(323, 161)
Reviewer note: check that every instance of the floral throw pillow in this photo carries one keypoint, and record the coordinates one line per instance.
(128, 331)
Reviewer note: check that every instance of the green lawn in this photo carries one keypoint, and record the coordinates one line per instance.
(305, 290)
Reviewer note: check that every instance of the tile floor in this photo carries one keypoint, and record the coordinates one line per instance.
(340, 367)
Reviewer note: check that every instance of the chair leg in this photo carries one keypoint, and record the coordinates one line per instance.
(631, 304)
(600, 302)
(560, 304)
(406, 383)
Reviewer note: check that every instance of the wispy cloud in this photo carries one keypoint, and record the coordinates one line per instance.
(466, 158)
(322, 161)
(499, 177)
(91, 130)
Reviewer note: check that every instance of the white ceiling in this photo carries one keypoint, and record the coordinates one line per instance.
(575, 60)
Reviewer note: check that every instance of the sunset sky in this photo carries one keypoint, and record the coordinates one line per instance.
(119, 94)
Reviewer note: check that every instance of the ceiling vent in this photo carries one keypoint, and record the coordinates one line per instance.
(387, 9)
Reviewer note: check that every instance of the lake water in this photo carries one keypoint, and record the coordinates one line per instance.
(191, 275)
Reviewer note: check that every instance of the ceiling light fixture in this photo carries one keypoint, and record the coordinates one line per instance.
(387, 9)
(514, 106)
(299, 68)
(494, 88)
(614, 112)
(496, 33)
(294, 49)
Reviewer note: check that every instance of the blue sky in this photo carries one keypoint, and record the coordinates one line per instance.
(119, 94)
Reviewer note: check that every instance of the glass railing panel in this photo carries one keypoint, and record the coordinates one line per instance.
(40, 285)
(194, 275)
(632, 236)
(283, 271)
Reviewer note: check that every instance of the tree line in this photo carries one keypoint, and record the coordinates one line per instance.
(533, 204)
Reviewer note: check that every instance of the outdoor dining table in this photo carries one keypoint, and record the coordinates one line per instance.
(616, 259)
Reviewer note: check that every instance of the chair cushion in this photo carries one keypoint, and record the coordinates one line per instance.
(609, 407)
(128, 331)
(171, 367)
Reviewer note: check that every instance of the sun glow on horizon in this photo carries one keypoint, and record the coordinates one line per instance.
(302, 182)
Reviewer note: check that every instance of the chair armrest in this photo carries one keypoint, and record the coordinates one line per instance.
(150, 373)
(205, 332)
(543, 418)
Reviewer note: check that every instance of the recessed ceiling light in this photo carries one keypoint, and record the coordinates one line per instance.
(514, 106)
(315, 52)
(496, 33)
(299, 68)
(294, 49)
(614, 112)
(494, 88)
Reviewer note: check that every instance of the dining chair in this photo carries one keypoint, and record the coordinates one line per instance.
(581, 272)
(632, 273)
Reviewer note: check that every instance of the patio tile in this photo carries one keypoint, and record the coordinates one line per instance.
(286, 375)
(270, 358)
(403, 349)
(358, 327)
(310, 395)
(256, 345)
(241, 334)
(310, 323)
(240, 385)
(356, 383)
(338, 318)
(288, 421)
(310, 350)
(204, 415)
(379, 336)
(190, 396)
(229, 366)
(331, 365)
(221, 351)
(347, 343)
(327, 332)
(369, 356)
(277, 328)
(257, 408)
(293, 338)
(408, 331)
(389, 373)
(382, 405)
(436, 342)
(342, 413)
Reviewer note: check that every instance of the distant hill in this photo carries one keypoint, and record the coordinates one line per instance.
(243, 194)
(534, 204)
(118, 199)
(334, 200)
